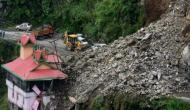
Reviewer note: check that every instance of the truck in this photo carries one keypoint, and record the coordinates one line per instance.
(45, 31)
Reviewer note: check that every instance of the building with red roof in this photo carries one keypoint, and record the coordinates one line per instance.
(33, 71)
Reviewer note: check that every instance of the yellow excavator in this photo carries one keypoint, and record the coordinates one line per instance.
(74, 42)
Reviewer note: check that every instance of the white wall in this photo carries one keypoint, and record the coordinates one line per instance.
(21, 98)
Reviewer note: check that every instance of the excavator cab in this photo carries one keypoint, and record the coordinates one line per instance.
(72, 42)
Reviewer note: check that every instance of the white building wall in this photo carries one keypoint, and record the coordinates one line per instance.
(21, 98)
(15, 96)
(10, 92)
(28, 102)
(20, 101)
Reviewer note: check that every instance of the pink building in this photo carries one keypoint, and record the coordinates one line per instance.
(30, 76)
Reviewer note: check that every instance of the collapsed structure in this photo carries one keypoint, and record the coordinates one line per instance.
(30, 75)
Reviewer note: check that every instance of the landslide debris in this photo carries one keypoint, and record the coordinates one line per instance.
(148, 62)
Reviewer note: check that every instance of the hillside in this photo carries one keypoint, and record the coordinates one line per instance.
(148, 63)
(99, 20)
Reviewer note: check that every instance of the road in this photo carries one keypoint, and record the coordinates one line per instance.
(15, 36)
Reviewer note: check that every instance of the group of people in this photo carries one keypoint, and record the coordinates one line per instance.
(2, 33)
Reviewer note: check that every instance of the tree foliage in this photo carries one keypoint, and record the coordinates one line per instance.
(8, 51)
(98, 19)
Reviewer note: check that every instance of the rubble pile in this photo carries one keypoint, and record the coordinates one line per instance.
(148, 62)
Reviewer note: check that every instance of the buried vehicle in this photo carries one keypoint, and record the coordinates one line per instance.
(45, 31)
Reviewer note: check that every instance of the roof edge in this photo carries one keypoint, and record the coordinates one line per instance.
(40, 79)
(11, 72)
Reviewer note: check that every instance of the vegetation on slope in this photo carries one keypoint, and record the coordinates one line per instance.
(98, 19)
(3, 102)
(121, 101)
(8, 51)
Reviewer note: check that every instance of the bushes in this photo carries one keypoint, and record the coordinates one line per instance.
(122, 101)
(170, 104)
(8, 51)
(3, 102)
(118, 101)
(98, 19)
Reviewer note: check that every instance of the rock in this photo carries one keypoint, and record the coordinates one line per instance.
(72, 99)
(130, 42)
(122, 76)
(151, 77)
(82, 99)
(159, 75)
(177, 79)
(155, 75)
(111, 59)
(95, 76)
(114, 65)
(142, 30)
(131, 83)
(147, 36)
(119, 56)
(144, 47)
(186, 55)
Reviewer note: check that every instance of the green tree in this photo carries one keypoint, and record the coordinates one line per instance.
(98, 19)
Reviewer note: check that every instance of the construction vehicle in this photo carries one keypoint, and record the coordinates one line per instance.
(45, 31)
(74, 42)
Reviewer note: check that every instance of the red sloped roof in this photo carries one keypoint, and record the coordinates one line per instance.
(24, 69)
(32, 38)
(24, 39)
(48, 58)
(21, 66)
(45, 74)
(40, 53)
